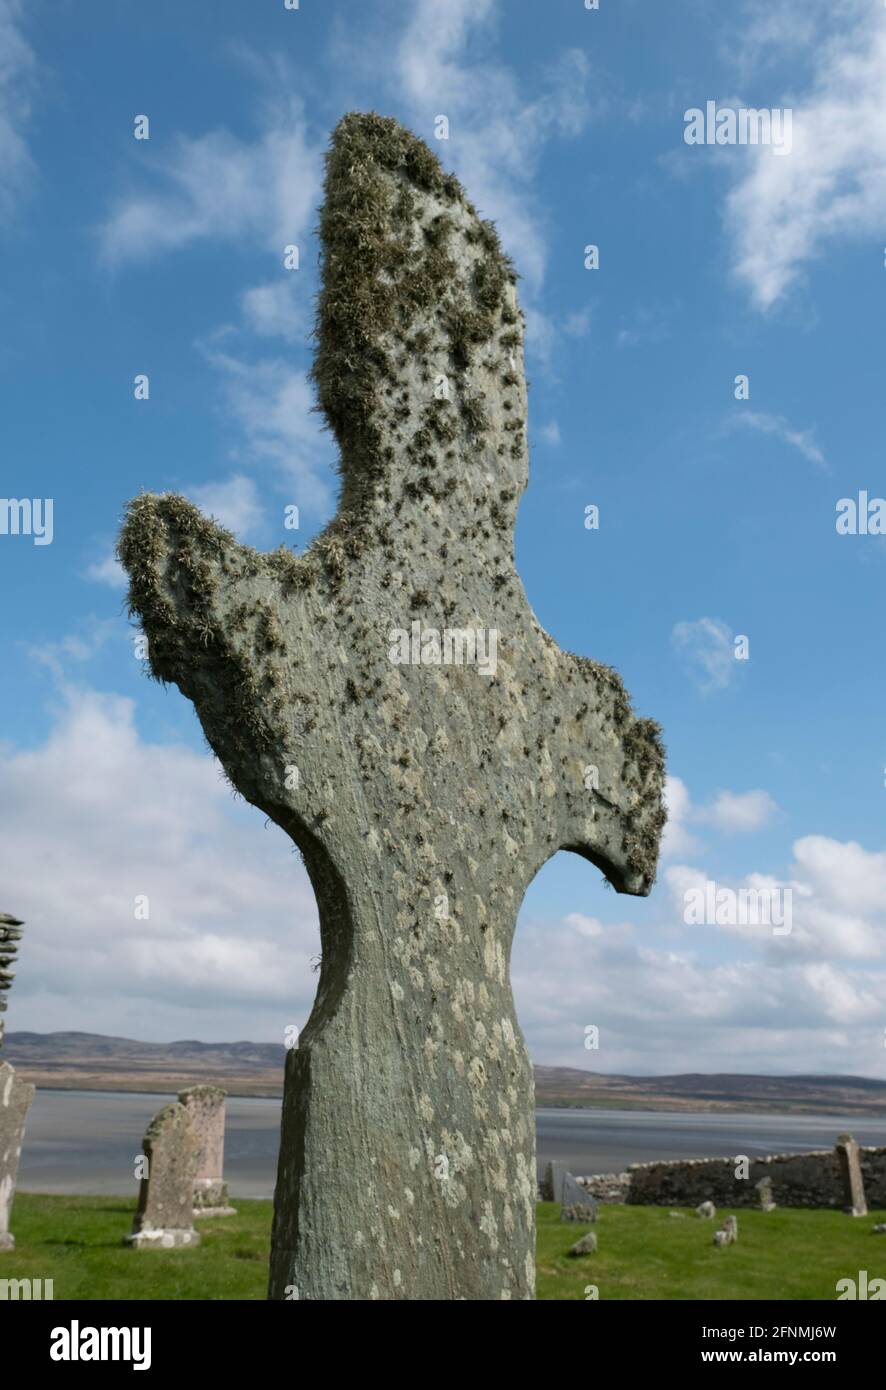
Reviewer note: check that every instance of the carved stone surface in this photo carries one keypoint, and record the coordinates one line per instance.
(390, 699)
(166, 1194)
(206, 1106)
(576, 1204)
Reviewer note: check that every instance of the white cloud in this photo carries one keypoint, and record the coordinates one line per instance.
(677, 840)
(96, 817)
(730, 812)
(709, 647)
(787, 211)
(274, 310)
(221, 187)
(233, 503)
(843, 1000)
(272, 404)
(664, 1010)
(771, 906)
(81, 646)
(228, 948)
(17, 75)
(777, 425)
(107, 570)
(550, 433)
(739, 812)
(497, 132)
(846, 874)
(585, 926)
(578, 323)
(838, 902)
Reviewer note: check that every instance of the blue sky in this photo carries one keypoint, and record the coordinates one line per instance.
(717, 516)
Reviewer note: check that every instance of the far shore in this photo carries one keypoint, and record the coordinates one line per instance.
(252, 1088)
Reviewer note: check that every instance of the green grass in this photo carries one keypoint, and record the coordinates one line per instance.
(643, 1253)
(78, 1243)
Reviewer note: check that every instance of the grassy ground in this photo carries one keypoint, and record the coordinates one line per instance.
(643, 1253)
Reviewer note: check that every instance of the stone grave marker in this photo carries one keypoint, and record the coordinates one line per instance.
(855, 1203)
(206, 1105)
(576, 1203)
(764, 1192)
(164, 1217)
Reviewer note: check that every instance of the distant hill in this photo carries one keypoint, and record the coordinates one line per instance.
(836, 1095)
(92, 1062)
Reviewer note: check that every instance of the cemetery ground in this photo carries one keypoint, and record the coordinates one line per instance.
(644, 1253)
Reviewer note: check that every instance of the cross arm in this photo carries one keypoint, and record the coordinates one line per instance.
(603, 769)
(218, 617)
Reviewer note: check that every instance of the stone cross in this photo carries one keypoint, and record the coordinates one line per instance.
(855, 1202)
(15, 1095)
(206, 1106)
(164, 1217)
(391, 701)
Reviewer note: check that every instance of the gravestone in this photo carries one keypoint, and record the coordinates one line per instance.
(15, 1095)
(206, 1106)
(166, 1194)
(576, 1204)
(728, 1232)
(764, 1193)
(707, 1210)
(855, 1203)
(391, 701)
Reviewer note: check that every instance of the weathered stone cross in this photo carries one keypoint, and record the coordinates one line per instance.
(391, 701)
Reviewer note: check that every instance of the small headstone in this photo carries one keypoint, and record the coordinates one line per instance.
(586, 1246)
(855, 1203)
(680, 1215)
(206, 1106)
(576, 1203)
(721, 1238)
(728, 1232)
(15, 1095)
(879, 1230)
(764, 1192)
(164, 1217)
(706, 1210)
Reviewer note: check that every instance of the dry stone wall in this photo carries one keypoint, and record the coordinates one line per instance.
(797, 1180)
